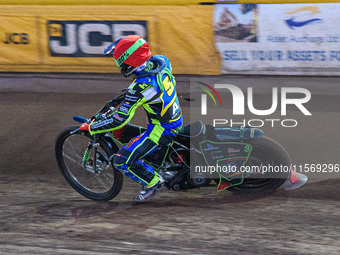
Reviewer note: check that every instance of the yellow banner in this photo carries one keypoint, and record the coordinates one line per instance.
(186, 36)
(104, 2)
(68, 39)
(18, 40)
(80, 40)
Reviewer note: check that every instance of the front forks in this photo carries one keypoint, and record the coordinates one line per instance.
(99, 162)
(87, 154)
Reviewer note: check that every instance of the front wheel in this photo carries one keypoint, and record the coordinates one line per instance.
(265, 153)
(86, 166)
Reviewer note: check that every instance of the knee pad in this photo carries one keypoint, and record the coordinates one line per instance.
(120, 159)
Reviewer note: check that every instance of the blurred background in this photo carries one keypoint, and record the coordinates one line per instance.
(52, 67)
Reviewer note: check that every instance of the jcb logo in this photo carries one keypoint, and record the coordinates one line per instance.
(89, 38)
(16, 38)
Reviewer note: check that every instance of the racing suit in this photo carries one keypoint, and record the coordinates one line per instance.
(154, 90)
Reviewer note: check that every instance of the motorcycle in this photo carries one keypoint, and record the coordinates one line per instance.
(191, 161)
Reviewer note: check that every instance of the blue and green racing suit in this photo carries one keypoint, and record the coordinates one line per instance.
(154, 89)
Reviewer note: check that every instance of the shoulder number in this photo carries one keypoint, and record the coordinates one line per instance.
(168, 86)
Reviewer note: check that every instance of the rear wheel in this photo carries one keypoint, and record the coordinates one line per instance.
(265, 153)
(94, 177)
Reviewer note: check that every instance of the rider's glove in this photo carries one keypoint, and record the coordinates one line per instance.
(84, 127)
(96, 117)
(100, 115)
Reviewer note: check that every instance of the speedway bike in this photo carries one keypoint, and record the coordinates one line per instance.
(86, 161)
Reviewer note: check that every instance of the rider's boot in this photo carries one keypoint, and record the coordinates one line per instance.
(147, 192)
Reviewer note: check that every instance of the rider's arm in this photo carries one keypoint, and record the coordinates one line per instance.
(122, 116)
(112, 103)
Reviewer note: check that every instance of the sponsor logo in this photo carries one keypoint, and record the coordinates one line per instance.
(116, 116)
(127, 104)
(102, 123)
(131, 98)
(294, 22)
(85, 38)
(144, 85)
(123, 109)
(210, 147)
(216, 157)
(175, 110)
(16, 38)
(133, 140)
(216, 152)
(232, 150)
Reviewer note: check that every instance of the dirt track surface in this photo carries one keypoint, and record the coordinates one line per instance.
(41, 214)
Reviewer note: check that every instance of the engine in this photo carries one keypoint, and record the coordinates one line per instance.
(177, 172)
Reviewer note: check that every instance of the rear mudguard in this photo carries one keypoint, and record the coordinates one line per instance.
(235, 137)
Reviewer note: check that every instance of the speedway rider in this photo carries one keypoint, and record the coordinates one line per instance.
(154, 89)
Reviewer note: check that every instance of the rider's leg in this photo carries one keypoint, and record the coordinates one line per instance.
(127, 160)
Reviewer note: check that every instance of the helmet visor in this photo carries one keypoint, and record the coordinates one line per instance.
(111, 48)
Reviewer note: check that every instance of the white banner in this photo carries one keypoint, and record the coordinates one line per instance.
(278, 38)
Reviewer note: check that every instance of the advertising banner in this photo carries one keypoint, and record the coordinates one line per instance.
(278, 39)
(68, 39)
(79, 41)
(18, 40)
(82, 38)
(105, 2)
